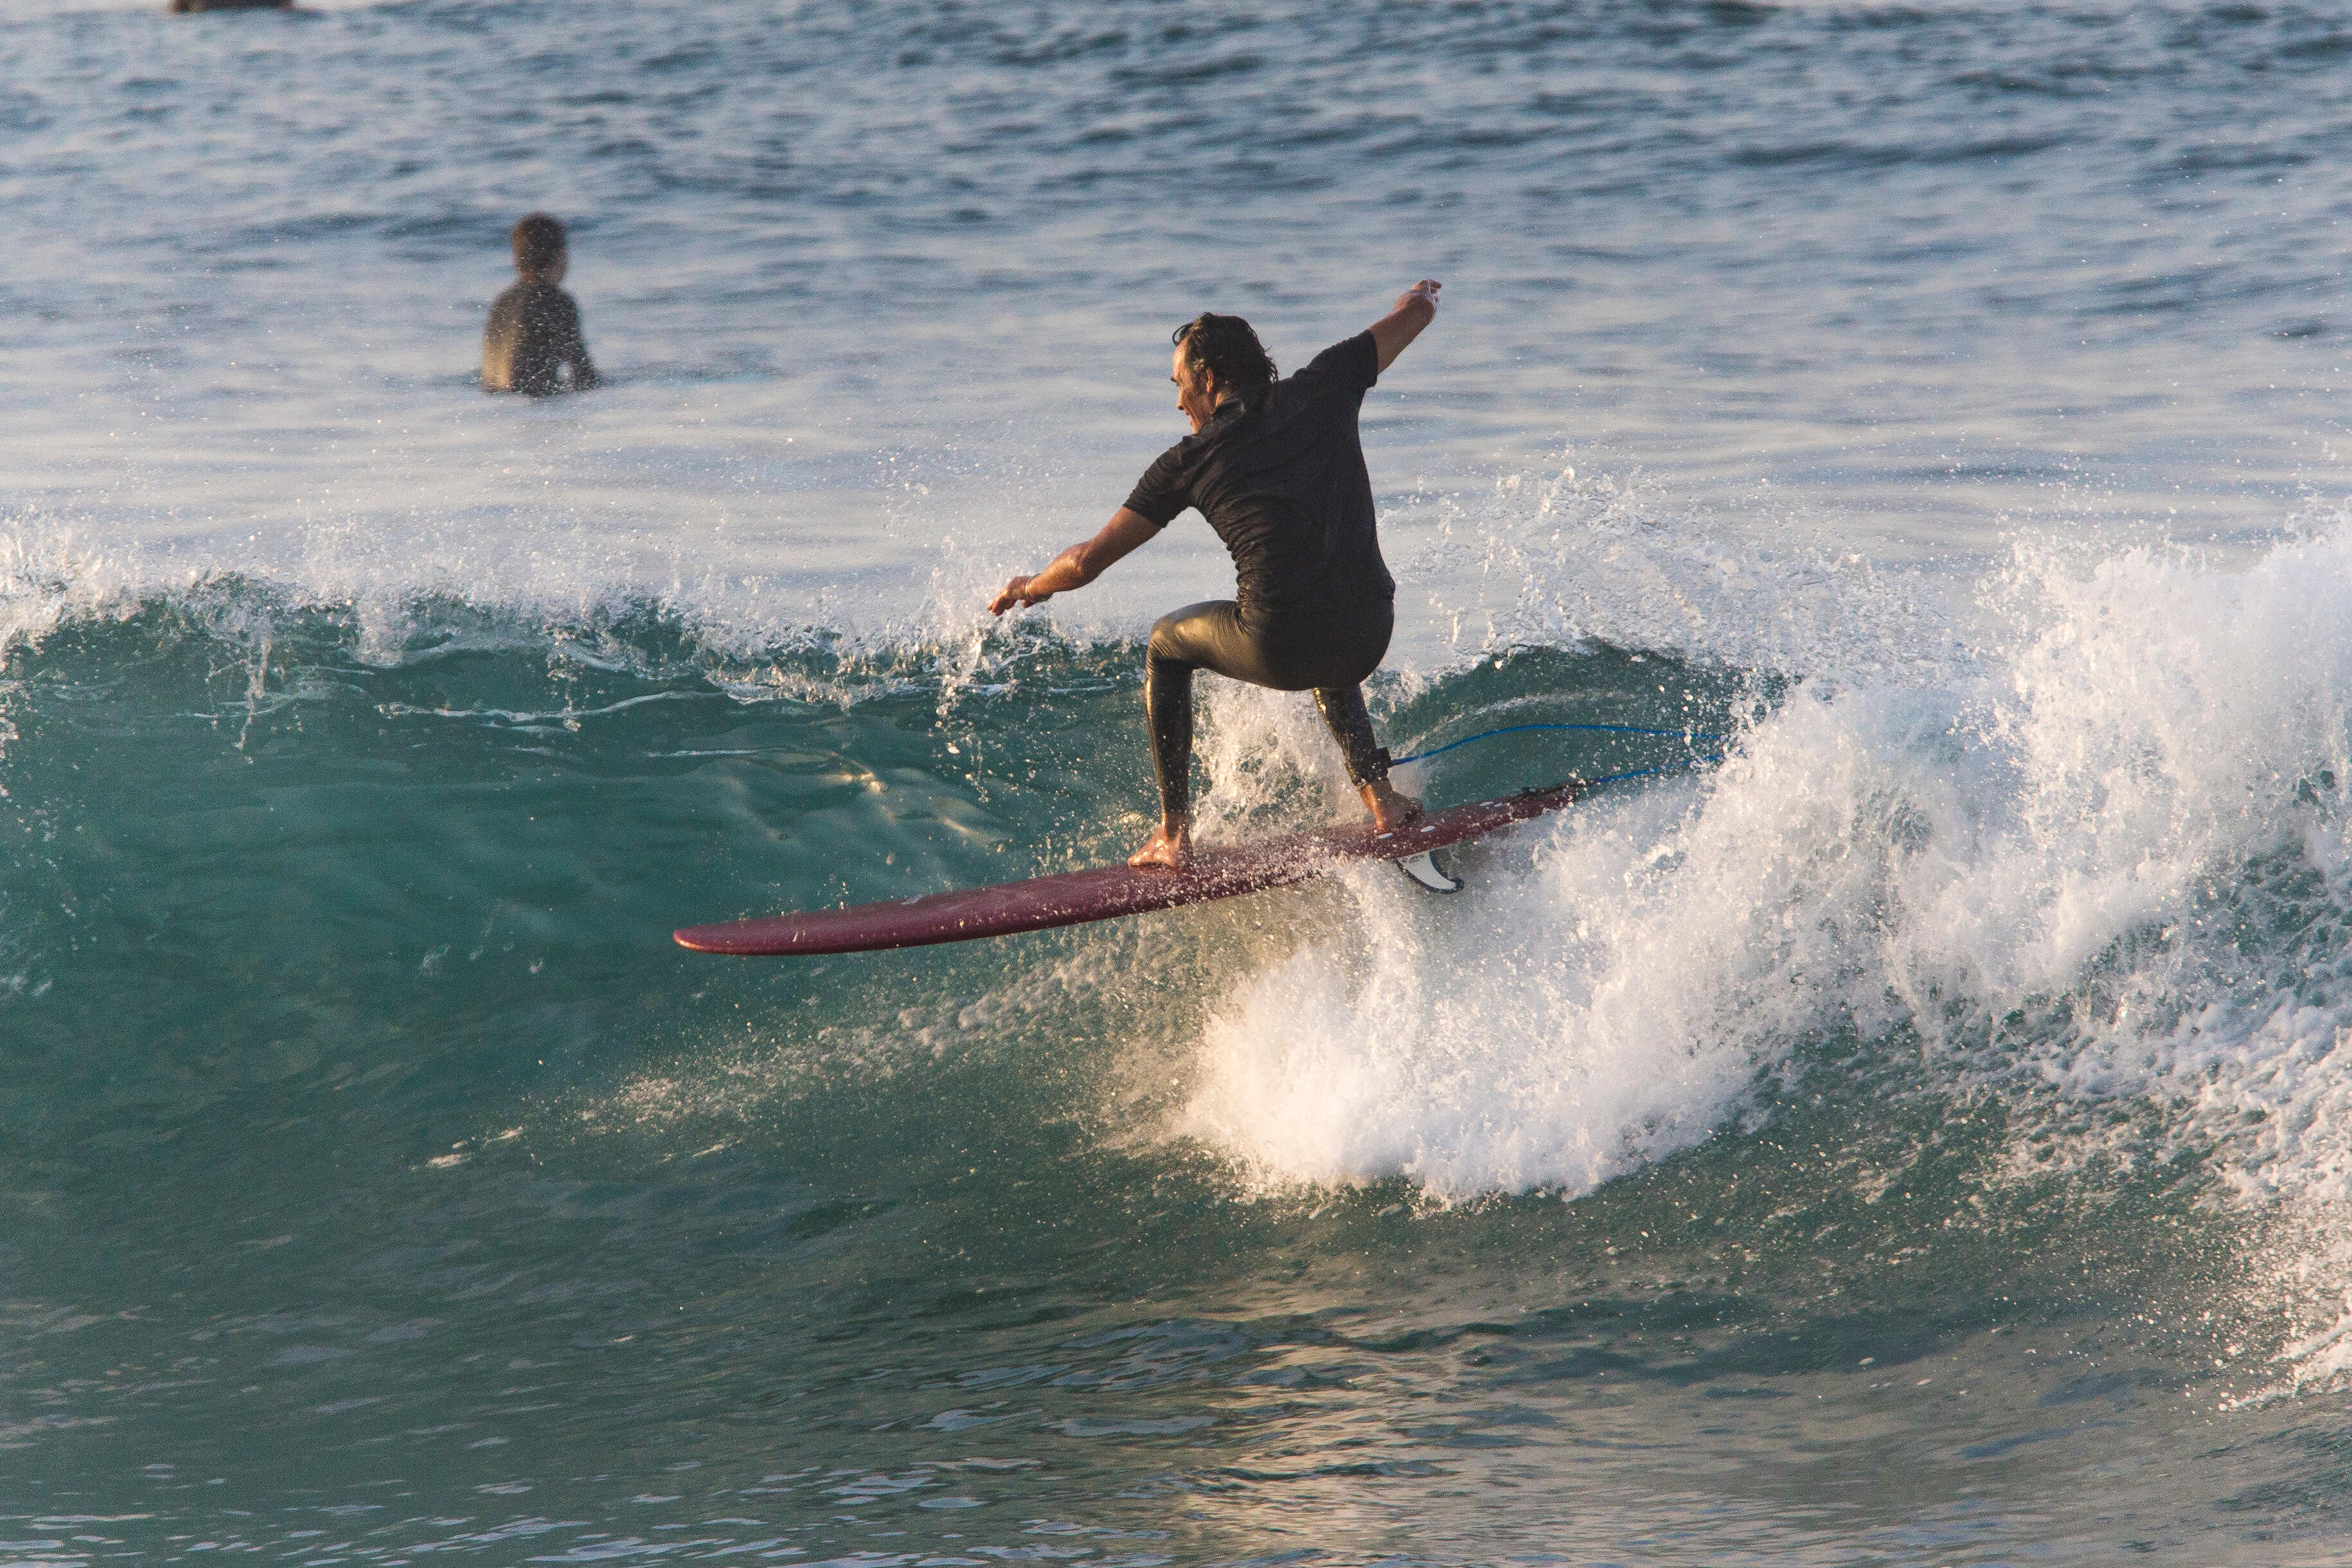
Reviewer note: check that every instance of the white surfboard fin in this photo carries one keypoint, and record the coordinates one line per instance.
(1424, 869)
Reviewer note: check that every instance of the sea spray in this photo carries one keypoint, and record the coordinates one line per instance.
(2096, 870)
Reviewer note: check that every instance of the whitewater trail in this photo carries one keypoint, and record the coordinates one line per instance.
(2106, 856)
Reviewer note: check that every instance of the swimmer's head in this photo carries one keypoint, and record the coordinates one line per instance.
(538, 249)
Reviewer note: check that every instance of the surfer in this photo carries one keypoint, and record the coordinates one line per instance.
(534, 327)
(1277, 468)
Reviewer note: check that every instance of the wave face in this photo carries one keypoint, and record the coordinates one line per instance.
(1978, 1019)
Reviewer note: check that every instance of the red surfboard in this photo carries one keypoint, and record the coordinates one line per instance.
(1106, 893)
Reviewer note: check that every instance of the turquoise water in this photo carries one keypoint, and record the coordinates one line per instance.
(1919, 1138)
(383, 1170)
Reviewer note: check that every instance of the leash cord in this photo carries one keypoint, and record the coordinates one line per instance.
(1645, 773)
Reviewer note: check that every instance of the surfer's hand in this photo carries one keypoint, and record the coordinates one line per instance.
(1415, 309)
(1017, 592)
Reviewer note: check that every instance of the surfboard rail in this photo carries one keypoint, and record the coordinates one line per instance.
(1107, 892)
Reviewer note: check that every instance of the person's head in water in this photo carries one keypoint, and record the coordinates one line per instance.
(1217, 357)
(539, 251)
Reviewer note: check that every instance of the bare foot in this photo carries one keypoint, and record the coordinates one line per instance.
(1167, 850)
(1389, 809)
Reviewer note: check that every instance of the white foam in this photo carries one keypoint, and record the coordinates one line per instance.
(2085, 809)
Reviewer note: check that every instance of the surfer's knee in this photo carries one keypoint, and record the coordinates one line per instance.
(1189, 636)
(1168, 644)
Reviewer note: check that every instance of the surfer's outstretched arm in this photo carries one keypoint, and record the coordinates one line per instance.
(1081, 563)
(1415, 309)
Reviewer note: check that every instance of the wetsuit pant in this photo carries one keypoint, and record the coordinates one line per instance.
(1330, 660)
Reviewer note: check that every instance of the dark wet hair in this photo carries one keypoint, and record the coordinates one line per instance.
(537, 243)
(1227, 347)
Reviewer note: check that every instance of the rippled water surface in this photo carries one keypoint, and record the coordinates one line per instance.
(1920, 1137)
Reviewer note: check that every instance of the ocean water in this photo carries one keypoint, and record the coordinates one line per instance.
(1922, 1137)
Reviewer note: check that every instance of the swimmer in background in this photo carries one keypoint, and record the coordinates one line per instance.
(534, 326)
(1277, 468)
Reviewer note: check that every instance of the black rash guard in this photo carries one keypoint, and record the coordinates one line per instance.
(1280, 473)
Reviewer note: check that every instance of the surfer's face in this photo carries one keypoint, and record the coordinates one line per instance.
(1196, 389)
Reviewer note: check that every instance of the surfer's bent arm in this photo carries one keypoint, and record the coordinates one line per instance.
(1415, 309)
(1081, 563)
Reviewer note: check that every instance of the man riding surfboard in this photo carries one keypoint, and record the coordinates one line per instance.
(1277, 468)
